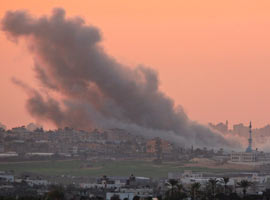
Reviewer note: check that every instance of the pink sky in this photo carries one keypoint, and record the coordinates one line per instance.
(212, 57)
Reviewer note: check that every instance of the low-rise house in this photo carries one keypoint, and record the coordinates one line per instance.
(37, 182)
(6, 177)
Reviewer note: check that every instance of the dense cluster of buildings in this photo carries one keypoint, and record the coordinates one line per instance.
(103, 187)
(21, 143)
(132, 187)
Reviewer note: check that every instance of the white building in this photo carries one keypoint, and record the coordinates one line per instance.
(8, 154)
(115, 184)
(141, 192)
(37, 182)
(243, 157)
(7, 177)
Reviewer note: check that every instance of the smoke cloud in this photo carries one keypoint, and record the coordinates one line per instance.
(33, 127)
(97, 90)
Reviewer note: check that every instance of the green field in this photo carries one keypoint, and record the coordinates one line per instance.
(110, 168)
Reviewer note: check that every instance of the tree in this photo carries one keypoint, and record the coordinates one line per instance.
(175, 191)
(172, 188)
(115, 197)
(266, 194)
(225, 180)
(244, 184)
(194, 190)
(213, 184)
(136, 198)
(56, 193)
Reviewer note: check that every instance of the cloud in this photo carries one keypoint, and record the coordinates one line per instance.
(97, 90)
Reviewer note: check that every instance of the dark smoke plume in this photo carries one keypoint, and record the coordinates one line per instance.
(97, 90)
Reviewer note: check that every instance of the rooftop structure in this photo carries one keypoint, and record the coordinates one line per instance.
(249, 148)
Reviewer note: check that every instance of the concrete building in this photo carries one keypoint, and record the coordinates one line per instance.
(37, 182)
(151, 146)
(6, 177)
(243, 157)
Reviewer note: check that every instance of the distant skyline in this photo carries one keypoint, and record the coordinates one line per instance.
(230, 126)
(212, 57)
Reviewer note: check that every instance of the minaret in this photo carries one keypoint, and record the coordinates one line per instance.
(249, 148)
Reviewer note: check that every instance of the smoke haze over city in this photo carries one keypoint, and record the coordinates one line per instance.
(134, 100)
(96, 91)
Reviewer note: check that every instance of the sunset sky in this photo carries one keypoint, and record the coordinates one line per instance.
(212, 56)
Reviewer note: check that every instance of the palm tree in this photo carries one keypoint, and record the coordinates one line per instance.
(213, 183)
(181, 192)
(194, 190)
(56, 193)
(180, 187)
(172, 184)
(175, 191)
(115, 197)
(225, 180)
(244, 184)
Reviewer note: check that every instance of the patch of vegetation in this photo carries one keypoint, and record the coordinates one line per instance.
(110, 168)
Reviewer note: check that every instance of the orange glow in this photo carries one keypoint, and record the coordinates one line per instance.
(212, 56)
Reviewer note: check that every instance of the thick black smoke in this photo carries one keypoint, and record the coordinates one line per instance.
(97, 91)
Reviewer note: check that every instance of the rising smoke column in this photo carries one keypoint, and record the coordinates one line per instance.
(97, 90)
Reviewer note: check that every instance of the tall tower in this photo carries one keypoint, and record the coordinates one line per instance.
(249, 148)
